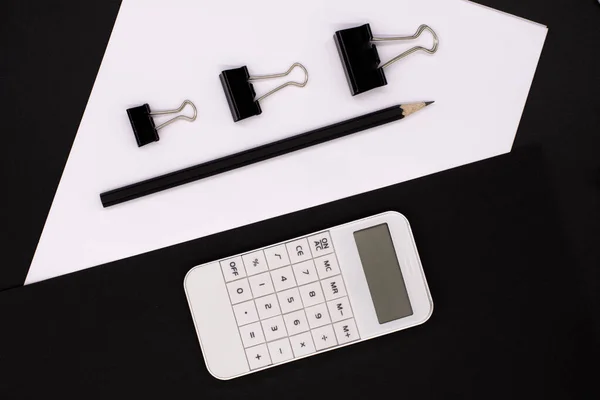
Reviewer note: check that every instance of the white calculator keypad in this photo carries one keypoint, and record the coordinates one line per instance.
(289, 300)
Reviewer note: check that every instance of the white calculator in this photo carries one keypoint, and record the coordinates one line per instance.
(307, 295)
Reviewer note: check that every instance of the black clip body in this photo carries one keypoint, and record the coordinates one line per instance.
(360, 59)
(240, 93)
(143, 125)
(142, 122)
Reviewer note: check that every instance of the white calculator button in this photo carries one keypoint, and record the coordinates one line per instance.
(339, 309)
(311, 294)
(261, 284)
(323, 337)
(346, 331)
(258, 356)
(289, 300)
(267, 306)
(252, 334)
(233, 268)
(274, 328)
(245, 313)
(277, 256)
(283, 278)
(239, 291)
(318, 315)
(327, 266)
(296, 322)
(255, 263)
(302, 344)
(305, 272)
(280, 350)
(298, 250)
(320, 244)
(334, 287)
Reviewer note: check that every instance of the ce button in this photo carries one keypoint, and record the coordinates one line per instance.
(298, 250)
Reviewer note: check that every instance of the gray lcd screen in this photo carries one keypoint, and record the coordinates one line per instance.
(386, 284)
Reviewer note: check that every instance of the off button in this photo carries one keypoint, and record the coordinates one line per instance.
(233, 269)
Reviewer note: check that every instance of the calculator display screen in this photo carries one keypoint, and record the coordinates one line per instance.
(386, 284)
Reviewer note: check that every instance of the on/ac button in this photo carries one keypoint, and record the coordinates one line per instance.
(320, 244)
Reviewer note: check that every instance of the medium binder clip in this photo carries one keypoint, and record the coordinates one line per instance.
(361, 60)
(143, 124)
(240, 92)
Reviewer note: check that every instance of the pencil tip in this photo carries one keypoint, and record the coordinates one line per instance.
(411, 108)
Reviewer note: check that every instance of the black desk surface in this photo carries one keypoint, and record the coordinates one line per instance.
(510, 245)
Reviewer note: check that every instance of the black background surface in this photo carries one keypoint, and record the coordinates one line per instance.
(511, 246)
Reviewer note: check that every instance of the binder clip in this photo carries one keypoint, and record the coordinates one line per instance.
(240, 91)
(143, 124)
(361, 60)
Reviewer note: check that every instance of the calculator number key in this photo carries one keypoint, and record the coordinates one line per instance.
(274, 328)
(255, 262)
(334, 287)
(298, 250)
(283, 278)
(252, 334)
(302, 344)
(267, 306)
(277, 256)
(346, 331)
(245, 313)
(311, 294)
(261, 284)
(296, 322)
(305, 272)
(280, 350)
(318, 315)
(324, 337)
(233, 269)
(289, 300)
(239, 291)
(339, 309)
(320, 244)
(258, 356)
(327, 266)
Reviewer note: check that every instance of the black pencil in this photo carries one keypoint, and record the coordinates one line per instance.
(260, 153)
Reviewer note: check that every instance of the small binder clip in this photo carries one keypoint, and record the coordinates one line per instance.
(240, 92)
(361, 60)
(143, 124)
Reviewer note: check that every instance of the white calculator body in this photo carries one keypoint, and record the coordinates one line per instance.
(306, 295)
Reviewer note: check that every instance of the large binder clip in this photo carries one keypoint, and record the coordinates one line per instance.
(361, 60)
(240, 92)
(143, 124)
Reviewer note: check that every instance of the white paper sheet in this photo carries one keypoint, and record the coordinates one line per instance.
(162, 52)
